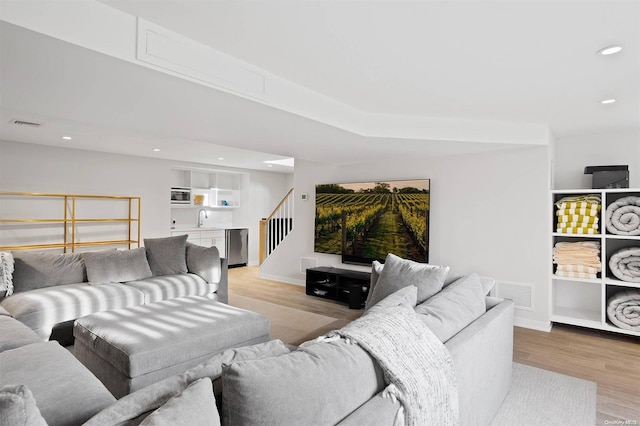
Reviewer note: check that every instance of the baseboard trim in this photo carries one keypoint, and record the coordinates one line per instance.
(532, 324)
(283, 279)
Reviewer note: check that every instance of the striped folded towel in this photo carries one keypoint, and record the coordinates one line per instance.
(565, 225)
(578, 268)
(582, 275)
(584, 211)
(585, 200)
(578, 218)
(578, 230)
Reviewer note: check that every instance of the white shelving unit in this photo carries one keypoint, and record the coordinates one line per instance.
(583, 302)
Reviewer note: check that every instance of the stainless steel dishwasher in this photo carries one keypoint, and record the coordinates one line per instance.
(237, 240)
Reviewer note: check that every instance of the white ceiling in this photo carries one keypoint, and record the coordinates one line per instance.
(512, 61)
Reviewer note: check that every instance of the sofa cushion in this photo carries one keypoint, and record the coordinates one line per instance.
(193, 406)
(6, 273)
(14, 334)
(162, 334)
(113, 266)
(166, 287)
(453, 308)
(132, 408)
(398, 273)
(53, 371)
(319, 384)
(18, 407)
(41, 309)
(204, 261)
(36, 269)
(167, 256)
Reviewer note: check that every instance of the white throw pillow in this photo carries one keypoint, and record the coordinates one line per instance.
(6, 273)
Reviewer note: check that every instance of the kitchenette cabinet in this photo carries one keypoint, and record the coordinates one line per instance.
(205, 237)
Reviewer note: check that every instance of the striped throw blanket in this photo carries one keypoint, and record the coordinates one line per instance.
(417, 367)
(578, 214)
(577, 260)
(585, 200)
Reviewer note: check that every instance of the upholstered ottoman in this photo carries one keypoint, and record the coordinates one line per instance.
(130, 348)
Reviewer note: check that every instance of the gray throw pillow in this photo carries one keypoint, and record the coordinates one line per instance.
(405, 296)
(131, 408)
(167, 256)
(204, 261)
(398, 273)
(193, 406)
(18, 407)
(116, 266)
(319, 384)
(38, 269)
(455, 307)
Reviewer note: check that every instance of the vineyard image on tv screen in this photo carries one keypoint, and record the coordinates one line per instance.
(366, 221)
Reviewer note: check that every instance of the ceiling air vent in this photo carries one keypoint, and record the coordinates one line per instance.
(25, 123)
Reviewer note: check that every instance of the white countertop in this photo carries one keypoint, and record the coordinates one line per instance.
(195, 228)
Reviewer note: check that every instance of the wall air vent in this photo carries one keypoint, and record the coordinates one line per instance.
(25, 123)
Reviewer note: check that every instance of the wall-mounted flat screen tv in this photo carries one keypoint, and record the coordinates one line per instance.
(365, 221)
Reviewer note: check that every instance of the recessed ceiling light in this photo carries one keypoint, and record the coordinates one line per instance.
(269, 165)
(220, 158)
(66, 138)
(156, 150)
(610, 50)
(607, 101)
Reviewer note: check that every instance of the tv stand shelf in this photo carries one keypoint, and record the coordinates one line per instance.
(343, 285)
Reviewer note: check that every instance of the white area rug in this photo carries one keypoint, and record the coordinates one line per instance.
(545, 398)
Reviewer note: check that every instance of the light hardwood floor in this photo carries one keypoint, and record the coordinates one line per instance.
(610, 360)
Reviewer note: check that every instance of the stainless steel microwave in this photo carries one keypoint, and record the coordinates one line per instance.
(180, 195)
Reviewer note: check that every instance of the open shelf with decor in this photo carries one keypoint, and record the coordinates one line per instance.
(581, 290)
(209, 188)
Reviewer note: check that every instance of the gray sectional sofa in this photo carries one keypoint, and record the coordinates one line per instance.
(336, 379)
(51, 290)
(333, 381)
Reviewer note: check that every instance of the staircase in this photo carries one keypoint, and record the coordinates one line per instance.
(275, 228)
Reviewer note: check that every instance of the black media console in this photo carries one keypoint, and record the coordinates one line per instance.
(343, 285)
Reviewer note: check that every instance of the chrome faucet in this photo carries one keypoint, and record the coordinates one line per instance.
(206, 216)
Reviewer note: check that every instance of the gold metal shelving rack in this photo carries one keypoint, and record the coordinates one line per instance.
(69, 222)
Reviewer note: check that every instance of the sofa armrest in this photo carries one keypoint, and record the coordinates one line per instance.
(483, 357)
(223, 285)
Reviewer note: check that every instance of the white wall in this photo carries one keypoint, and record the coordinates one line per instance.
(39, 168)
(489, 214)
(573, 154)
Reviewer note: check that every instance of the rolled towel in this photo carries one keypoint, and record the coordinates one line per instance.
(623, 309)
(625, 264)
(623, 216)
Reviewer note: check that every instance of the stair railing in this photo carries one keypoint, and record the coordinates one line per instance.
(275, 228)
